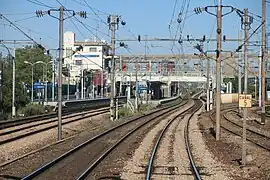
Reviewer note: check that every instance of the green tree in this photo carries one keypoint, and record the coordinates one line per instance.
(23, 81)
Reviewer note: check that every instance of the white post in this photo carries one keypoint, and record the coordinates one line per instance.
(82, 81)
(53, 81)
(68, 81)
(260, 80)
(46, 85)
(13, 86)
(255, 86)
(32, 93)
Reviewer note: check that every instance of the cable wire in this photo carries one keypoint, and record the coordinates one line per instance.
(16, 27)
(83, 24)
(39, 3)
(23, 19)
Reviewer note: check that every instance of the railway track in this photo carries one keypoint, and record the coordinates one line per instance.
(253, 136)
(94, 150)
(192, 110)
(21, 131)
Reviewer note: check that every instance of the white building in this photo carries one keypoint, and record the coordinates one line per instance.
(90, 57)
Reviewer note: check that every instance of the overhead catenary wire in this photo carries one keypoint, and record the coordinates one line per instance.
(18, 14)
(95, 12)
(83, 24)
(27, 18)
(77, 28)
(17, 28)
(39, 3)
(101, 12)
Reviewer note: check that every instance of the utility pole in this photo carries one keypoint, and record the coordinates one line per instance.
(113, 21)
(68, 81)
(218, 69)
(246, 24)
(239, 70)
(264, 59)
(13, 84)
(82, 83)
(61, 24)
(1, 84)
(218, 16)
(207, 85)
(136, 87)
(260, 79)
(53, 79)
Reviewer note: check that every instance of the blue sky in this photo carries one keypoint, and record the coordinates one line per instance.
(144, 17)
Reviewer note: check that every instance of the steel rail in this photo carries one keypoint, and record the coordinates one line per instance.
(161, 135)
(47, 128)
(66, 111)
(93, 165)
(187, 142)
(75, 149)
(50, 121)
(30, 119)
(239, 125)
(237, 134)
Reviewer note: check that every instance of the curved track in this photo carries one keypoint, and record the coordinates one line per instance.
(253, 136)
(192, 110)
(103, 145)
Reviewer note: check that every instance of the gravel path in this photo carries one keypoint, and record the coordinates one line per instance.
(135, 167)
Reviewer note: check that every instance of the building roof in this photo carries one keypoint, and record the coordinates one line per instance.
(90, 43)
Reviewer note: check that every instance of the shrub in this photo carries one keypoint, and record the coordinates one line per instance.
(124, 111)
(145, 107)
(34, 109)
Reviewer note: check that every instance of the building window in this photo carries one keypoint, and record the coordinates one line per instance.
(69, 51)
(92, 49)
(78, 62)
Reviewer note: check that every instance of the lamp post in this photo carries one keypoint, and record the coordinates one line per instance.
(46, 77)
(32, 64)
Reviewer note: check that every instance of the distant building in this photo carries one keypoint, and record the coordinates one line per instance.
(91, 55)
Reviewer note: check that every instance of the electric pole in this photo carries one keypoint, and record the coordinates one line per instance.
(1, 84)
(13, 83)
(239, 70)
(246, 24)
(218, 69)
(207, 85)
(264, 59)
(113, 21)
(137, 87)
(61, 24)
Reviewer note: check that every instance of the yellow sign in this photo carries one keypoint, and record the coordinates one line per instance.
(245, 100)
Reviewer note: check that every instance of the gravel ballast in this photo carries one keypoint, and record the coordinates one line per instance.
(25, 145)
(135, 167)
(228, 152)
(209, 167)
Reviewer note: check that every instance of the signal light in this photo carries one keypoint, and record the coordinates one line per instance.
(203, 39)
(122, 44)
(139, 38)
(83, 14)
